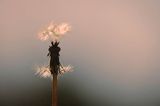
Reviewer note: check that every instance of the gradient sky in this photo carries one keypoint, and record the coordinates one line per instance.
(114, 47)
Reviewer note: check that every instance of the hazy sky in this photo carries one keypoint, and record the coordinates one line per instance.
(114, 47)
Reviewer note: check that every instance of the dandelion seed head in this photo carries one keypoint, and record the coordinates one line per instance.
(54, 31)
(45, 72)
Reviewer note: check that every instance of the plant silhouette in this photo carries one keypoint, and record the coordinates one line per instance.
(54, 50)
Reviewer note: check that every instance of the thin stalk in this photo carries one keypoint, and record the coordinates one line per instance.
(54, 91)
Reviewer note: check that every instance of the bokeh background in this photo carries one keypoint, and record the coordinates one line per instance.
(114, 47)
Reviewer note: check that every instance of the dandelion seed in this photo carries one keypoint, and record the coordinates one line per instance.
(43, 36)
(65, 69)
(50, 33)
(44, 72)
(51, 27)
(54, 31)
(62, 29)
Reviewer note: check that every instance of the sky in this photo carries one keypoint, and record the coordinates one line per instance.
(114, 47)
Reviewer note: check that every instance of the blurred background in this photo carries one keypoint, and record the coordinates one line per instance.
(114, 47)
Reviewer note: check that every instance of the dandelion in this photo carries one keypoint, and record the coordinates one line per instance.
(54, 32)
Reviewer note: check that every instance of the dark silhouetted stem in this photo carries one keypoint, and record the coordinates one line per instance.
(54, 91)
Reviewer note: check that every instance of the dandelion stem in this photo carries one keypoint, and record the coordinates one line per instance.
(54, 91)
